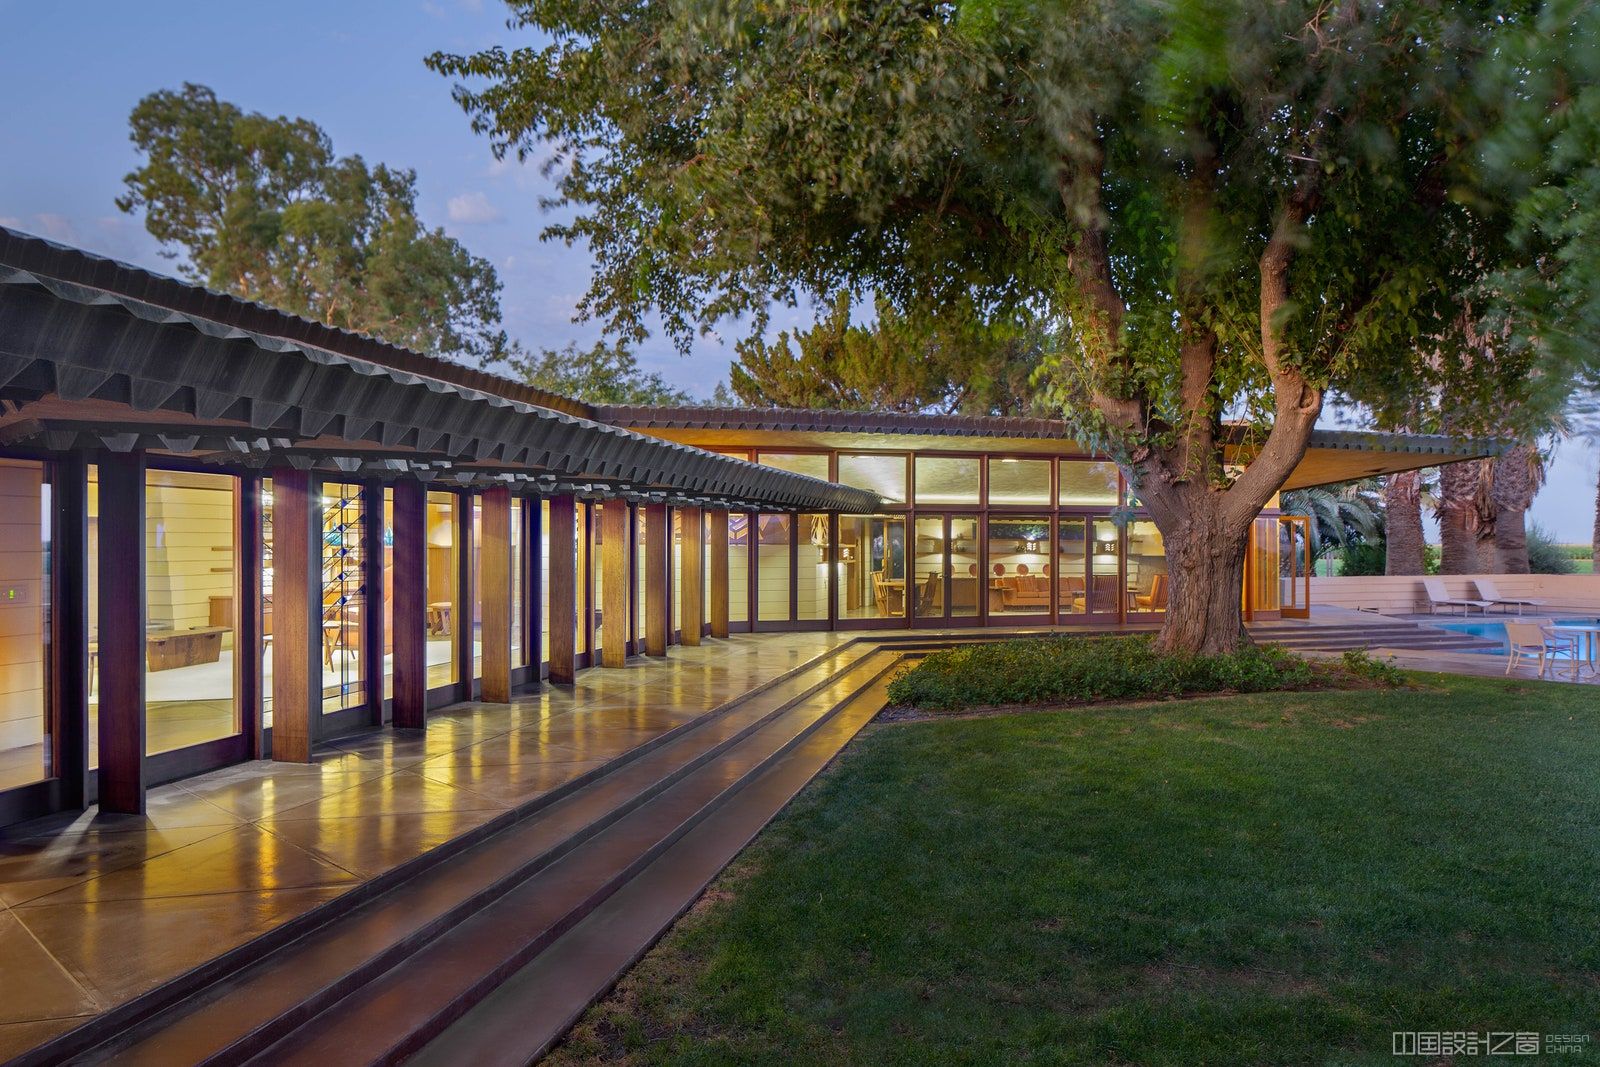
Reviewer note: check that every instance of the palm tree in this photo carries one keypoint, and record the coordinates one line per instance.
(1340, 515)
(1402, 522)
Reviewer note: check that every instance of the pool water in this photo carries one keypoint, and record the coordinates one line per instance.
(1495, 630)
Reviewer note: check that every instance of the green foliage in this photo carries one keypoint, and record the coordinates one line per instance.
(1545, 556)
(896, 364)
(1059, 670)
(1370, 557)
(262, 208)
(1359, 663)
(603, 374)
(1340, 515)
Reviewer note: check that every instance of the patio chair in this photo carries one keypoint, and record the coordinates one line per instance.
(1438, 598)
(1538, 639)
(1487, 590)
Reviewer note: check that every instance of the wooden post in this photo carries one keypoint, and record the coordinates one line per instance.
(563, 590)
(693, 584)
(296, 614)
(463, 613)
(373, 638)
(657, 606)
(494, 559)
(533, 584)
(614, 583)
(248, 684)
(122, 632)
(717, 522)
(409, 611)
(69, 625)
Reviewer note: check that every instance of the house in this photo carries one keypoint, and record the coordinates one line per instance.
(230, 532)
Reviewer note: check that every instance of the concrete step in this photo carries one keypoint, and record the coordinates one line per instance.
(391, 1016)
(236, 1011)
(531, 1010)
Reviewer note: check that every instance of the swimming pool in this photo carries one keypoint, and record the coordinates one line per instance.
(1495, 630)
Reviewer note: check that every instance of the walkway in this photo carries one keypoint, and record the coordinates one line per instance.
(95, 910)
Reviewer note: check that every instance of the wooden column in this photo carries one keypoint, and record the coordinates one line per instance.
(614, 583)
(463, 613)
(717, 549)
(122, 632)
(409, 606)
(563, 607)
(533, 584)
(373, 625)
(657, 607)
(296, 614)
(248, 683)
(69, 626)
(692, 586)
(495, 562)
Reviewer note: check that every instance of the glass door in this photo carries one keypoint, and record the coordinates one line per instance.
(1071, 568)
(871, 560)
(1105, 593)
(1294, 566)
(930, 569)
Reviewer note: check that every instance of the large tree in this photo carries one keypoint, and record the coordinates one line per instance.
(1226, 209)
(261, 207)
(895, 363)
(600, 374)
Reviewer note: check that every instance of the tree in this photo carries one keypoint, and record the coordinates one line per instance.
(896, 364)
(1220, 208)
(1402, 524)
(603, 374)
(262, 208)
(1338, 516)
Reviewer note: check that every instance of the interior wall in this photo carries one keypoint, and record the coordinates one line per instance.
(22, 698)
(189, 551)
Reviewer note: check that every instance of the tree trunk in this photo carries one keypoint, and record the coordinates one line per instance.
(1458, 521)
(1596, 541)
(1205, 571)
(1402, 523)
(1516, 480)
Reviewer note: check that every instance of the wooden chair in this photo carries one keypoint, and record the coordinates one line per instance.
(1156, 598)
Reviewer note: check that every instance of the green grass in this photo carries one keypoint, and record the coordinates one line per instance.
(1268, 879)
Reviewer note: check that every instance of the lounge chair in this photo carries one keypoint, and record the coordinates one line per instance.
(1438, 598)
(1538, 639)
(1486, 590)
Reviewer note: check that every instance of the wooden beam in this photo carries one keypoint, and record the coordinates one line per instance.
(533, 584)
(69, 626)
(463, 612)
(409, 611)
(495, 562)
(296, 614)
(373, 637)
(248, 683)
(122, 632)
(563, 607)
(657, 606)
(614, 583)
(693, 584)
(717, 550)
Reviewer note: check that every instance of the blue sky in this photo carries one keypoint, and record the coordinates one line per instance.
(73, 71)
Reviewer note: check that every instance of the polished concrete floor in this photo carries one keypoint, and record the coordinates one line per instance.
(97, 909)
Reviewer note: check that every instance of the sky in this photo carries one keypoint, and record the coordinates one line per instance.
(74, 70)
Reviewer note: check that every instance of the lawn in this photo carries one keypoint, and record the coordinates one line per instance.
(1278, 878)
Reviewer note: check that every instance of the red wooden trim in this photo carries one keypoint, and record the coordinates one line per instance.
(409, 606)
(122, 632)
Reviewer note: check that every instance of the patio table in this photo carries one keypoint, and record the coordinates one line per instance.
(1590, 644)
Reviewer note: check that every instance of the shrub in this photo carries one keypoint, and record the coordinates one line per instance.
(1544, 555)
(1061, 670)
(1371, 558)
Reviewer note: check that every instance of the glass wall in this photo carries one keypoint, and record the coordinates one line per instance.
(344, 597)
(1019, 558)
(772, 568)
(1087, 484)
(738, 567)
(930, 562)
(518, 581)
(871, 567)
(582, 542)
(474, 631)
(966, 572)
(388, 594)
(25, 589)
(883, 474)
(1071, 554)
(1147, 568)
(943, 480)
(814, 464)
(1014, 481)
(676, 563)
(443, 587)
(640, 601)
(1105, 592)
(190, 567)
(811, 572)
(544, 580)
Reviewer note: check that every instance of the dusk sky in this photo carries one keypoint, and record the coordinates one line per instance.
(73, 72)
